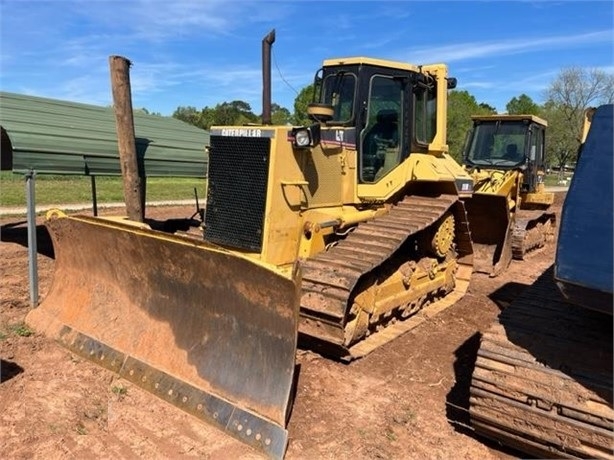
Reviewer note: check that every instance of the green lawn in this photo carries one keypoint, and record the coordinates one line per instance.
(77, 189)
(51, 189)
(553, 179)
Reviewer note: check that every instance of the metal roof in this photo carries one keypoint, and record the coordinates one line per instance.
(60, 137)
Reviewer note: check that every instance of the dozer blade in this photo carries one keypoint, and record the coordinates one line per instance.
(490, 224)
(209, 331)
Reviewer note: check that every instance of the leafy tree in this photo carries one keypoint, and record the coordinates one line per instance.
(207, 118)
(574, 90)
(234, 113)
(280, 115)
(304, 98)
(561, 142)
(188, 114)
(487, 108)
(522, 105)
(226, 113)
(461, 105)
(147, 112)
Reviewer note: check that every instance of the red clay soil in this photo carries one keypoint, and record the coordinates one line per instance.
(407, 399)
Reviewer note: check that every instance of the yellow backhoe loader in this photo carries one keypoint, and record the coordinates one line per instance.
(508, 212)
(340, 230)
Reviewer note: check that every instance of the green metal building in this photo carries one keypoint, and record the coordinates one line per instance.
(50, 136)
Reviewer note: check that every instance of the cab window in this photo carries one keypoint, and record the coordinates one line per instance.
(536, 153)
(338, 91)
(498, 144)
(425, 103)
(380, 139)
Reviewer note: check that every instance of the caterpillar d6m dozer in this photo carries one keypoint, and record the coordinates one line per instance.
(543, 376)
(338, 230)
(508, 212)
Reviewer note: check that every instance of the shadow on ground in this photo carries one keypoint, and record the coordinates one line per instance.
(573, 342)
(8, 370)
(506, 294)
(17, 232)
(457, 400)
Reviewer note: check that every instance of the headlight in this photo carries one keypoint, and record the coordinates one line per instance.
(302, 138)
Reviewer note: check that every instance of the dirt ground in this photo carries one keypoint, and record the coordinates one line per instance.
(408, 399)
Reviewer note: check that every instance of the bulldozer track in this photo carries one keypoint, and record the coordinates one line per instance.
(532, 230)
(330, 278)
(543, 377)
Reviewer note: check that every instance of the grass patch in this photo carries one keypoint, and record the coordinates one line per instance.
(119, 390)
(404, 416)
(390, 434)
(22, 330)
(81, 428)
(552, 180)
(54, 428)
(52, 189)
(55, 189)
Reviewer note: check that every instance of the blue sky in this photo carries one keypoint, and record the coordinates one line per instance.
(201, 53)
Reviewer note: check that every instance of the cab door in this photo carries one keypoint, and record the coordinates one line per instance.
(381, 139)
(536, 158)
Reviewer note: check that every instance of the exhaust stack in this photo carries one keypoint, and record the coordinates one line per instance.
(267, 43)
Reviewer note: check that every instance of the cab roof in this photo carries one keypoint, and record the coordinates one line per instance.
(504, 117)
(371, 61)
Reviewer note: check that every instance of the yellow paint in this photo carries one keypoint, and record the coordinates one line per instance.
(320, 185)
(372, 61)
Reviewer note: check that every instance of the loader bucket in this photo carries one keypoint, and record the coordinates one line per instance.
(490, 225)
(207, 330)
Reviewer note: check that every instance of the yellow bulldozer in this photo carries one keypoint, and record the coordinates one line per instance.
(508, 212)
(336, 231)
(543, 377)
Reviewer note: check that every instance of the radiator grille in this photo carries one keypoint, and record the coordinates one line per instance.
(237, 191)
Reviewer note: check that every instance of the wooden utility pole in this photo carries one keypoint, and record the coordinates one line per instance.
(134, 195)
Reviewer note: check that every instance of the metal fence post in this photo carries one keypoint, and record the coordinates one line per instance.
(32, 249)
(94, 197)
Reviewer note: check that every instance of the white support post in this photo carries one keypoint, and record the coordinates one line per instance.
(32, 248)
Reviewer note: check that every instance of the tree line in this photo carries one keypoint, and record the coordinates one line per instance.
(568, 95)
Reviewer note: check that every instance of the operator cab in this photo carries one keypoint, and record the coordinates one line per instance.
(382, 109)
(507, 142)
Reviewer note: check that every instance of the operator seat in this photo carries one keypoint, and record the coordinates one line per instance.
(511, 152)
(384, 134)
(386, 126)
